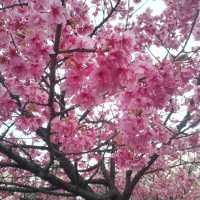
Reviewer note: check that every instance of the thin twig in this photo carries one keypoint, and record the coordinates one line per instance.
(105, 19)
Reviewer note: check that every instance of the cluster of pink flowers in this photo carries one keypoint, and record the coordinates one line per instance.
(110, 66)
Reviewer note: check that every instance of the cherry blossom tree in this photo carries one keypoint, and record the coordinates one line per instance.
(89, 107)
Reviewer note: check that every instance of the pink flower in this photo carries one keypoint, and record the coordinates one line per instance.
(85, 99)
(18, 67)
(56, 13)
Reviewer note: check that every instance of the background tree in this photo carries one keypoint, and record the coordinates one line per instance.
(90, 108)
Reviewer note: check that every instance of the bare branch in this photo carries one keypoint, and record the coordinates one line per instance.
(105, 19)
(13, 6)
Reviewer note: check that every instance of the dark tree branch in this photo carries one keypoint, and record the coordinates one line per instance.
(169, 115)
(6, 131)
(189, 35)
(5, 164)
(184, 121)
(113, 9)
(53, 180)
(77, 50)
(52, 75)
(84, 115)
(29, 190)
(130, 185)
(112, 170)
(63, 112)
(13, 6)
